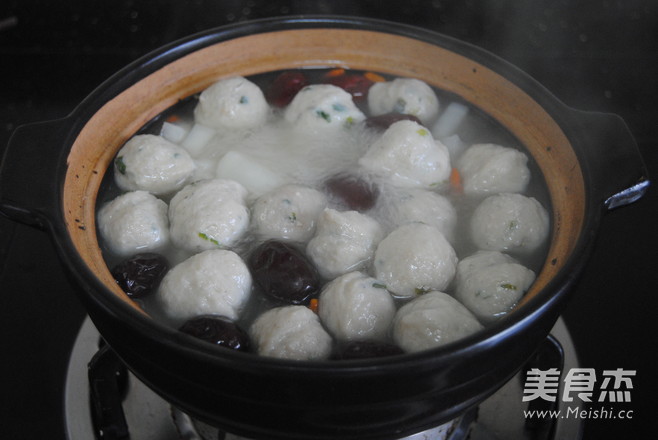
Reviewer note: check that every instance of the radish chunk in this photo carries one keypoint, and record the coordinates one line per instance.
(450, 119)
(198, 137)
(257, 178)
(174, 132)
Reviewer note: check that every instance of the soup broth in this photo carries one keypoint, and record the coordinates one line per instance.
(283, 154)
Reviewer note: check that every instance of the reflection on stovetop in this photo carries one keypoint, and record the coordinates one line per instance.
(105, 401)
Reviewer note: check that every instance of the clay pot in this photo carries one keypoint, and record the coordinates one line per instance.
(52, 172)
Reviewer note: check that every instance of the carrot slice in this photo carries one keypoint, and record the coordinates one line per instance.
(374, 77)
(313, 305)
(456, 180)
(335, 72)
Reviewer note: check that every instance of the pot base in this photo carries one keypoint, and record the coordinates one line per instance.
(149, 417)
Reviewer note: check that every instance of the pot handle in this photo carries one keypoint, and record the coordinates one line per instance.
(549, 355)
(107, 383)
(29, 171)
(619, 174)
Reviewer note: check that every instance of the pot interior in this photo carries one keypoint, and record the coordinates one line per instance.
(121, 117)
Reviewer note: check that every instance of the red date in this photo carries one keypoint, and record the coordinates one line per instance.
(218, 330)
(356, 85)
(382, 122)
(284, 273)
(356, 193)
(284, 88)
(140, 275)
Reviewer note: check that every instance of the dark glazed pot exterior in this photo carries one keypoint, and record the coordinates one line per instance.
(274, 399)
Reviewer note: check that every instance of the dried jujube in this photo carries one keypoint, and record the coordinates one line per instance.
(356, 193)
(218, 330)
(140, 275)
(285, 87)
(283, 272)
(382, 122)
(355, 84)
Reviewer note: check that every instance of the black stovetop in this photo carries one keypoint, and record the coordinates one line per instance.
(595, 55)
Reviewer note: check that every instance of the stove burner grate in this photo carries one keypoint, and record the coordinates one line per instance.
(191, 429)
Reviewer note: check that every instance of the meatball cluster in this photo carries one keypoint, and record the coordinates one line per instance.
(233, 227)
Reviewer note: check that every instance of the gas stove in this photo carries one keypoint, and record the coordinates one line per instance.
(595, 56)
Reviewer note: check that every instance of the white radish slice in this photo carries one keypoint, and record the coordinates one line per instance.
(455, 146)
(205, 169)
(449, 120)
(174, 132)
(197, 139)
(257, 178)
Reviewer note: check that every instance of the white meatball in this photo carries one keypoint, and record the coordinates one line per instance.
(470, 265)
(232, 103)
(408, 156)
(134, 222)
(432, 320)
(418, 205)
(344, 241)
(356, 307)
(152, 163)
(491, 168)
(211, 282)
(415, 258)
(290, 332)
(208, 214)
(288, 213)
(509, 222)
(320, 106)
(404, 95)
(490, 283)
